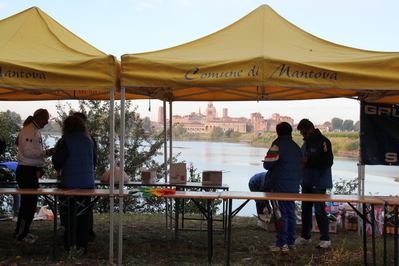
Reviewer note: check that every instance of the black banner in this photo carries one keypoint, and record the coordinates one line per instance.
(379, 138)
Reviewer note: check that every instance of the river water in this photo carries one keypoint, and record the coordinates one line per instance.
(240, 161)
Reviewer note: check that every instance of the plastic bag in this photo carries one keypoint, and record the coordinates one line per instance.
(45, 213)
(106, 176)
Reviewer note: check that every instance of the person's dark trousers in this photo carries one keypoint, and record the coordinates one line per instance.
(77, 222)
(321, 215)
(92, 234)
(63, 211)
(26, 178)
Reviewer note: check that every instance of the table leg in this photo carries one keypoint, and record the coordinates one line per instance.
(232, 214)
(55, 228)
(364, 236)
(229, 218)
(386, 211)
(177, 216)
(210, 230)
(395, 237)
(373, 233)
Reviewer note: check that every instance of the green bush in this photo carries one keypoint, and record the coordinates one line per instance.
(352, 146)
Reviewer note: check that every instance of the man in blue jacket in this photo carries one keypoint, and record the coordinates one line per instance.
(283, 162)
(257, 183)
(317, 178)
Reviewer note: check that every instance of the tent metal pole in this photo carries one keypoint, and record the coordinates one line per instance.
(165, 145)
(168, 209)
(361, 174)
(111, 187)
(360, 165)
(122, 170)
(170, 133)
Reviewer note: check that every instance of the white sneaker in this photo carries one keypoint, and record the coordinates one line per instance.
(324, 244)
(302, 241)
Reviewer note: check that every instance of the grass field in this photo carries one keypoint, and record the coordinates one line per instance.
(147, 241)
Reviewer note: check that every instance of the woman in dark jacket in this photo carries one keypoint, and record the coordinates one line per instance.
(75, 160)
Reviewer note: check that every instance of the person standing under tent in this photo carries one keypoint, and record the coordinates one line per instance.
(75, 160)
(283, 162)
(316, 166)
(31, 157)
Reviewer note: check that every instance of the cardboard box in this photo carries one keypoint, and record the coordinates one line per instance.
(332, 207)
(333, 227)
(212, 178)
(315, 227)
(148, 176)
(178, 173)
(270, 226)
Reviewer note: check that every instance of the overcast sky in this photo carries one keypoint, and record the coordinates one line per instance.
(120, 27)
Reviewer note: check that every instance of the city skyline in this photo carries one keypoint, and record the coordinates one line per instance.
(225, 112)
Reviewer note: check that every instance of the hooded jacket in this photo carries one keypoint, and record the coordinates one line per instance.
(317, 172)
(283, 162)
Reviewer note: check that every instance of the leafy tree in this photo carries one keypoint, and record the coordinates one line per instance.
(179, 131)
(353, 146)
(228, 133)
(217, 134)
(327, 123)
(356, 127)
(336, 123)
(10, 126)
(140, 145)
(235, 135)
(347, 125)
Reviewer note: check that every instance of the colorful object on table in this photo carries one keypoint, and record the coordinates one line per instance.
(149, 192)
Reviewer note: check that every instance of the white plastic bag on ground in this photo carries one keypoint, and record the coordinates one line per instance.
(45, 213)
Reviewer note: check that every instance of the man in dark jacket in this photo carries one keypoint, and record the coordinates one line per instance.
(317, 178)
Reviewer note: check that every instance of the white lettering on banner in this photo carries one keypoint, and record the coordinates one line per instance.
(391, 157)
(303, 74)
(22, 74)
(379, 110)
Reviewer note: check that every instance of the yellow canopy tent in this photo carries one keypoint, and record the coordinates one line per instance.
(42, 60)
(262, 57)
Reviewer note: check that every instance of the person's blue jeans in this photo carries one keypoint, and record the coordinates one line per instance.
(286, 230)
(320, 213)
